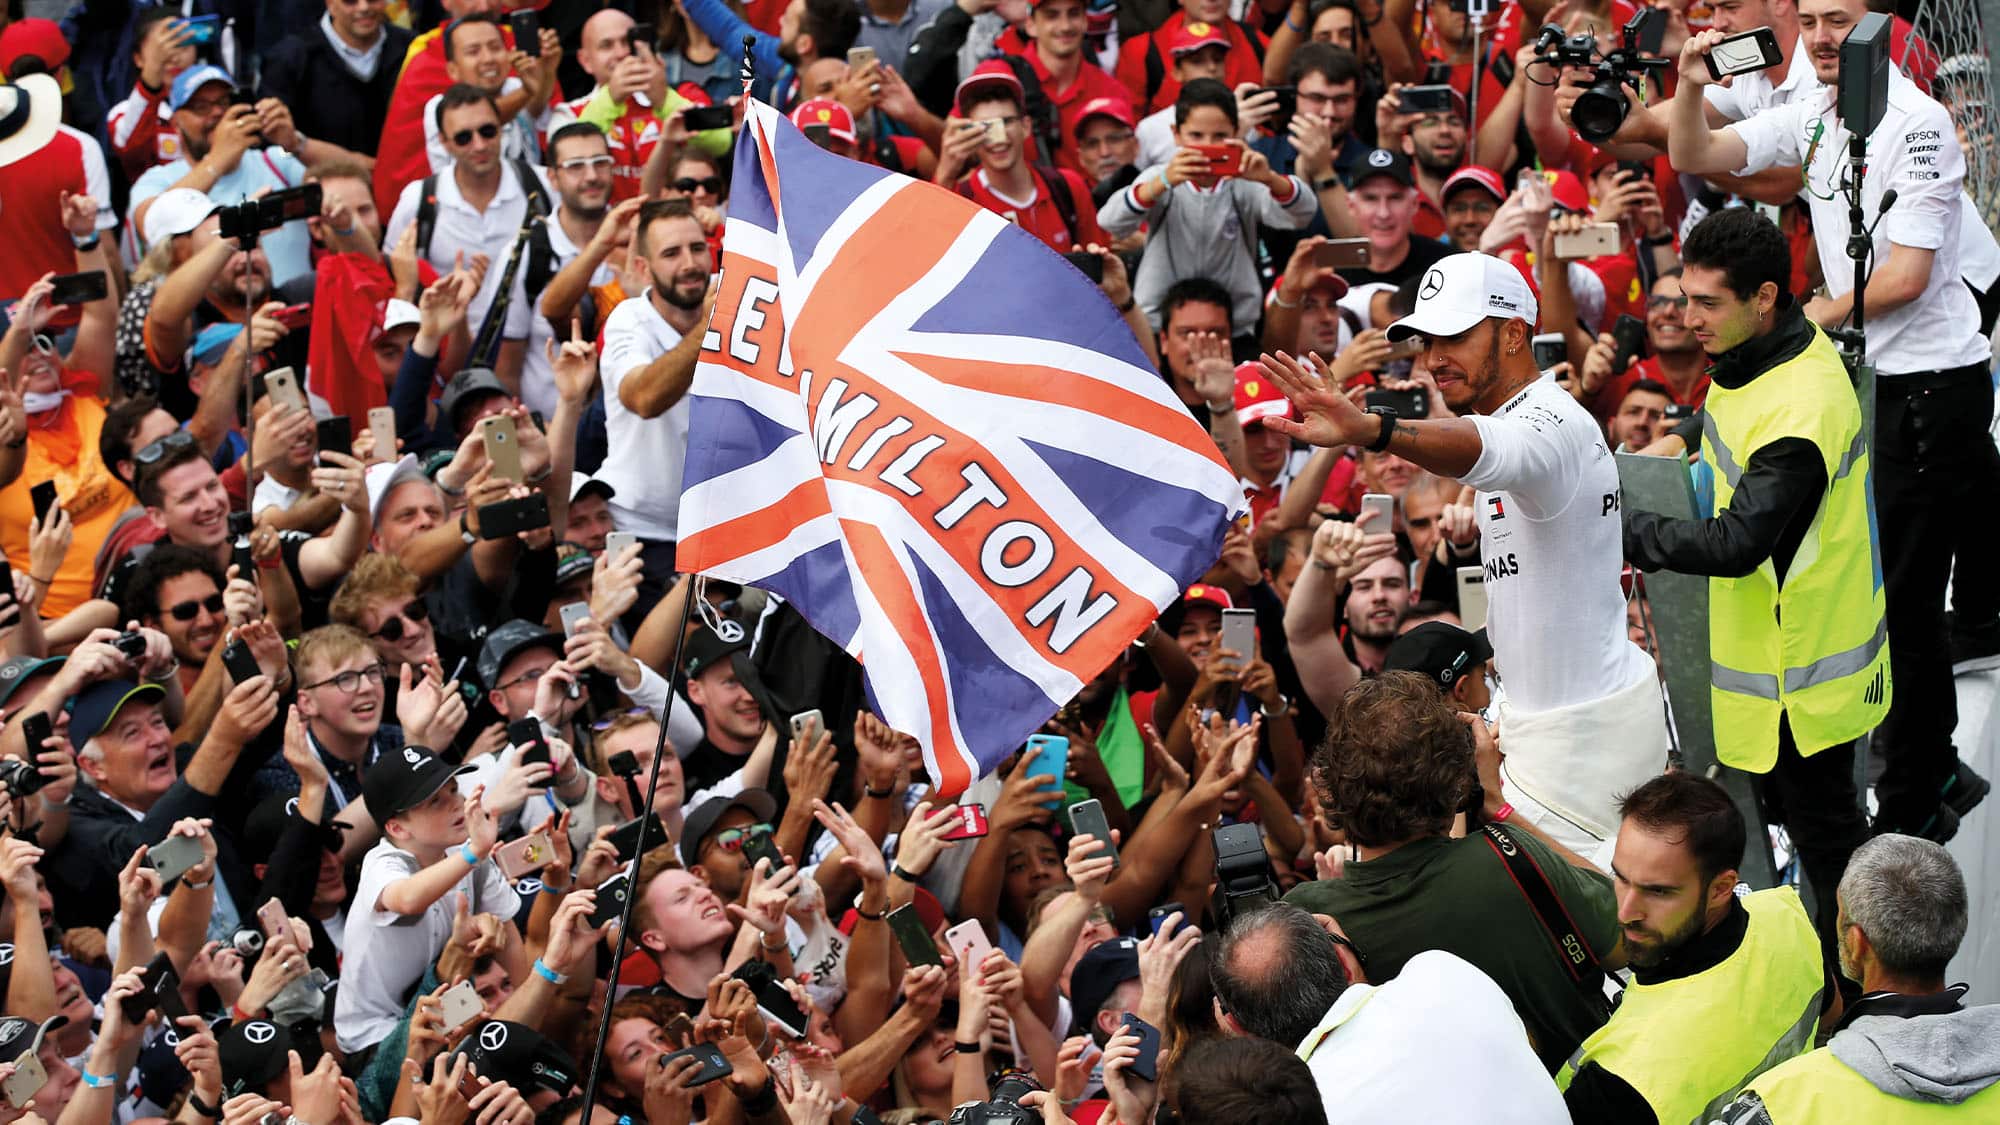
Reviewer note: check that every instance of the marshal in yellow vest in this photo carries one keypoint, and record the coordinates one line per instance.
(1818, 1089)
(1690, 1045)
(1815, 649)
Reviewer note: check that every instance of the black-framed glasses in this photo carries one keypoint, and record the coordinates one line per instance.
(154, 450)
(415, 612)
(1360, 958)
(349, 682)
(486, 132)
(186, 611)
(533, 675)
(690, 184)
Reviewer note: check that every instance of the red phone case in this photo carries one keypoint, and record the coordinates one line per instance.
(1223, 160)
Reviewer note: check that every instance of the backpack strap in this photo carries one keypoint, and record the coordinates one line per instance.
(1156, 70)
(541, 261)
(427, 215)
(531, 185)
(886, 155)
(1061, 196)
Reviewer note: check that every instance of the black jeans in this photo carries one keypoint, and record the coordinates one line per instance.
(1935, 470)
(1816, 800)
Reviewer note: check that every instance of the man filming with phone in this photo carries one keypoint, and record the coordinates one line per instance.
(1933, 458)
(1548, 505)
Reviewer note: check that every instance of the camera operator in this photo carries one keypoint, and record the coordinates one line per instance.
(1374, 1050)
(1934, 459)
(1793, 599)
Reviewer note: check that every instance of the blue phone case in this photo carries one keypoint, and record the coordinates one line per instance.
(203, 28)
(1048, 754)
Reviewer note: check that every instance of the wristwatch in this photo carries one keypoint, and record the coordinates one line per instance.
(464, 532)
(1388, 415)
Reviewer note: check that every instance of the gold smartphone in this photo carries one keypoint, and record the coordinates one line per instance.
(503, 446)
(382, 430)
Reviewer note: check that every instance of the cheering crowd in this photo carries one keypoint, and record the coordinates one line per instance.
(351, 696)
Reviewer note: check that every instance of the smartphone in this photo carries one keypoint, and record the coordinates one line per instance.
(611, 899)
(644, 33)
(1086, 818)
(44, 497)
(1239, 635)
(1549, 349)
(382, 431)
(526, 855)
(159, 987)
(1593, 241)
(1751, 50)
(271, 916)
(858, 57)
(508, 517)
(1048, 754)
(1472, 598)
(201, 29)
(702, 118)
(971, 824)
(1384, 507)
(1630, 332)
(1288, 106)
(461, 1005)
(573, 615)
(1341, 253)
(283, 387)
(527, 734)
(36, 729)
(968, 942)
(617, 541)
(625, 764)
(760, 845)
(527, 27)
(1090, 264)
(1224, 160)
(777, 1004)
(713, 1064)
(1157, 916)
(503, 446)
(336, 434)
(1678, 411)
(1411, 403)
(28, 1078)
(1427, 99)
(295, 317)
(1147, 1065)
(996, 131)
(918, 948)
(79, 288)
(625, 837)
(806, 726)
(171, 857)
(241, 663)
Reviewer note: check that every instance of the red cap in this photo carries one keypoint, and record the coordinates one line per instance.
(1567, 189)
(1193, 36)
(1257, 398)
(992, 72)
(825, 111)
(1208, 595)
(1117, 109)
(41, 38)
(1479, 176)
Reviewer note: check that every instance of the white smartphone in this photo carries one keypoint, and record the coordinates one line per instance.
(573, 615)
(382, 432)
(1472, 598)
(283, 387)
(968, 942)
(1239, 634)
(27, 1080)
(1593, 241)
(1384, 507)
(806, 726)
(461, 1005)
(617, 541)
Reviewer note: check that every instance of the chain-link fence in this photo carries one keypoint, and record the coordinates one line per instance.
(1951, 54)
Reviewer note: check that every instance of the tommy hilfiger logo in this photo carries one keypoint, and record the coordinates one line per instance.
(1498, 510)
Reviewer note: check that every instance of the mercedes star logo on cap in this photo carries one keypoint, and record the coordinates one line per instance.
(259, 1032)
(1433, 284)
(493, 1036)
(1380, 158)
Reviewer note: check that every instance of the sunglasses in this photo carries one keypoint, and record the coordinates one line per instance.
(710, 184)
(185, 611)
(153, 451)
(1663, 302)
(585, 164)
(416, 613)
(732, 839)
(486, 132)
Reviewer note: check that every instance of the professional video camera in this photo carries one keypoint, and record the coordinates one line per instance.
(1243, 878)
(1601, 108)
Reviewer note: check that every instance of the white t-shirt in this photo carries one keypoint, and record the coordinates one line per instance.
(385, 954)
(650, 452)
(1155, 133)
(461, 227)
(1552, 547)
(1915, 151)
(1441, 1042)
(538, 376)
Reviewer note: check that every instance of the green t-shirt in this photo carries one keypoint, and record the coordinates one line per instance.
(1456, 895)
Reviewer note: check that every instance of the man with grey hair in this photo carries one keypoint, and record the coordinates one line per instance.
(1909, 1050)
(1375, 1051)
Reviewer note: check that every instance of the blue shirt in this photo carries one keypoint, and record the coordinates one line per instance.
(289, 248)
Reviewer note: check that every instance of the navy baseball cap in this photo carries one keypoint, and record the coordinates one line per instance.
(92, 711)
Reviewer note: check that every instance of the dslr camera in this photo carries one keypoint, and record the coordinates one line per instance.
(1004, 1107)
(1601, 108)
(1244, 881)
(20, 778)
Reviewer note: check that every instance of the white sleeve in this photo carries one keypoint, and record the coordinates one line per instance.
(1526, 456)
(440, 160)
(1723, 100)
(1926, 170)
(1772, 139)
(97, 179)
(626, 349)
(684, 731)
(404, 214)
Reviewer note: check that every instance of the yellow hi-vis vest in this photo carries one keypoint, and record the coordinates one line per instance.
(1814, 650)
(1818, 1089)
(1689, 1046)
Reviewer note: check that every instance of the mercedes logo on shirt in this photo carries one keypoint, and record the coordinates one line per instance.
(1433, 285)
(493, 1036)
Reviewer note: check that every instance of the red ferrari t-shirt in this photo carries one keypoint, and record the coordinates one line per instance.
(1039, 216)
(1090, 84)
(31, 221)
(1613, 392)
(1246, 63)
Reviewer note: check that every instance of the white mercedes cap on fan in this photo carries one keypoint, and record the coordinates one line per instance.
(1463, 289)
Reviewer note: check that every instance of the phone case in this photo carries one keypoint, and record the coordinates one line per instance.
(1593, 241)
(509, 517)
(1384, 507)
(806, 721)
(971, 823)
(713, 1064)
(503, 446)
(968, 942)
(1472, 597)
(1087, 818)
(382, 433)
(525, 856)
(611, 899)
(272, 917)
(1158, 915)
(27, 1080)
(242, 665)
(44, 497)
(36, 728)
(172, 856)
(573, 615)
(1239, 634)
(618, 541)
(283, 387)
(460, 1004)
(1147, 1065)
(918, 948)
(527, 734)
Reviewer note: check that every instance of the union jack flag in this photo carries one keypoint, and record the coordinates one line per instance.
(940, 443)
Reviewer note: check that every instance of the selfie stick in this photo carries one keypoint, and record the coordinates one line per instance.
(246, 242)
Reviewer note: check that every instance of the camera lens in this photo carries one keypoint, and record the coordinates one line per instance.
(247, 942)
(1599, 111)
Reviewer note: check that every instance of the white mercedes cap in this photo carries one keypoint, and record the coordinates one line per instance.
(1462, 290)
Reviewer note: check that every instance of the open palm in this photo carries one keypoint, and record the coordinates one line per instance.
(1327, 416)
